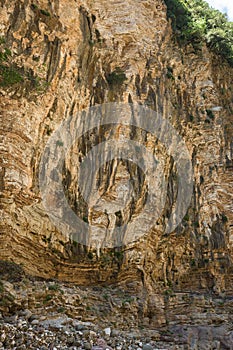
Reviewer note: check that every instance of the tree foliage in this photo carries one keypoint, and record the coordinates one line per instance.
(195, 22)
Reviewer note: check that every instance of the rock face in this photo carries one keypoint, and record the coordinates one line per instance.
(61, 57)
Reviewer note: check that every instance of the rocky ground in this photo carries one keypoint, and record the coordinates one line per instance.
(47, 314)
(50, 315)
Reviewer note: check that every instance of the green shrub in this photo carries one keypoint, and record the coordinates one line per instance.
(170, 73)
(4, 55)
(193, 262)
(54, 287)
(224, 218)
(45, 13)
(168, 292)
(85, 219)
(61, 309)
(47, 298)
(116, 78)
(2, 40)
(59, 143)
(1, 287)
(119, 255)
(9, 76)
(34, 7)
(105, 296)
(90, 255)
(210, 114)
(40, 84)
(169, 283)
(195, 22)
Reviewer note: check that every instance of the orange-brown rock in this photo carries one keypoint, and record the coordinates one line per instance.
(62, 56)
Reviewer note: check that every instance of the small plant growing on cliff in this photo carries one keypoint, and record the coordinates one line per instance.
(34, 7)
(116, 78)
(54, 287)
(5, 54)
(40, 84)
(1, 287)
(168, 292)
(8, 74)
(91, 43)
(45, 13)
(119, 255)
(2, 40)
(47, 298)
(210, 114)
(85, 219)
(61, 310)
(169, 283)
(224, 218)
(59, 143)
(75, 244)
(127, 300)
(90, 255)
(193, 262)
(170, 73)
(105, 296)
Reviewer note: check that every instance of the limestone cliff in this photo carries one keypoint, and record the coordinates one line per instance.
(60, 57)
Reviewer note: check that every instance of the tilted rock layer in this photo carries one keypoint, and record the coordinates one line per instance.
(71, 55)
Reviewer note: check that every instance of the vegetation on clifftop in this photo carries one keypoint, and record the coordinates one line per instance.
(195, 22)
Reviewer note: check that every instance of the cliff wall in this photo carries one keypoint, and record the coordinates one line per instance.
(61, 57)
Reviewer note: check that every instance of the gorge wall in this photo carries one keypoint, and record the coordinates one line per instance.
(59, 57)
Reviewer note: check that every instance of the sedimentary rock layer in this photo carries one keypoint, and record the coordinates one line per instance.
(66, 56)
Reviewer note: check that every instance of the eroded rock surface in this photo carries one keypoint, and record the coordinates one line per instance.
(66, 56)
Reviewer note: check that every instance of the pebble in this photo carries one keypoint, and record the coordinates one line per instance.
(107, 331)
(147, 347)
(35, 322)
(87, 346)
